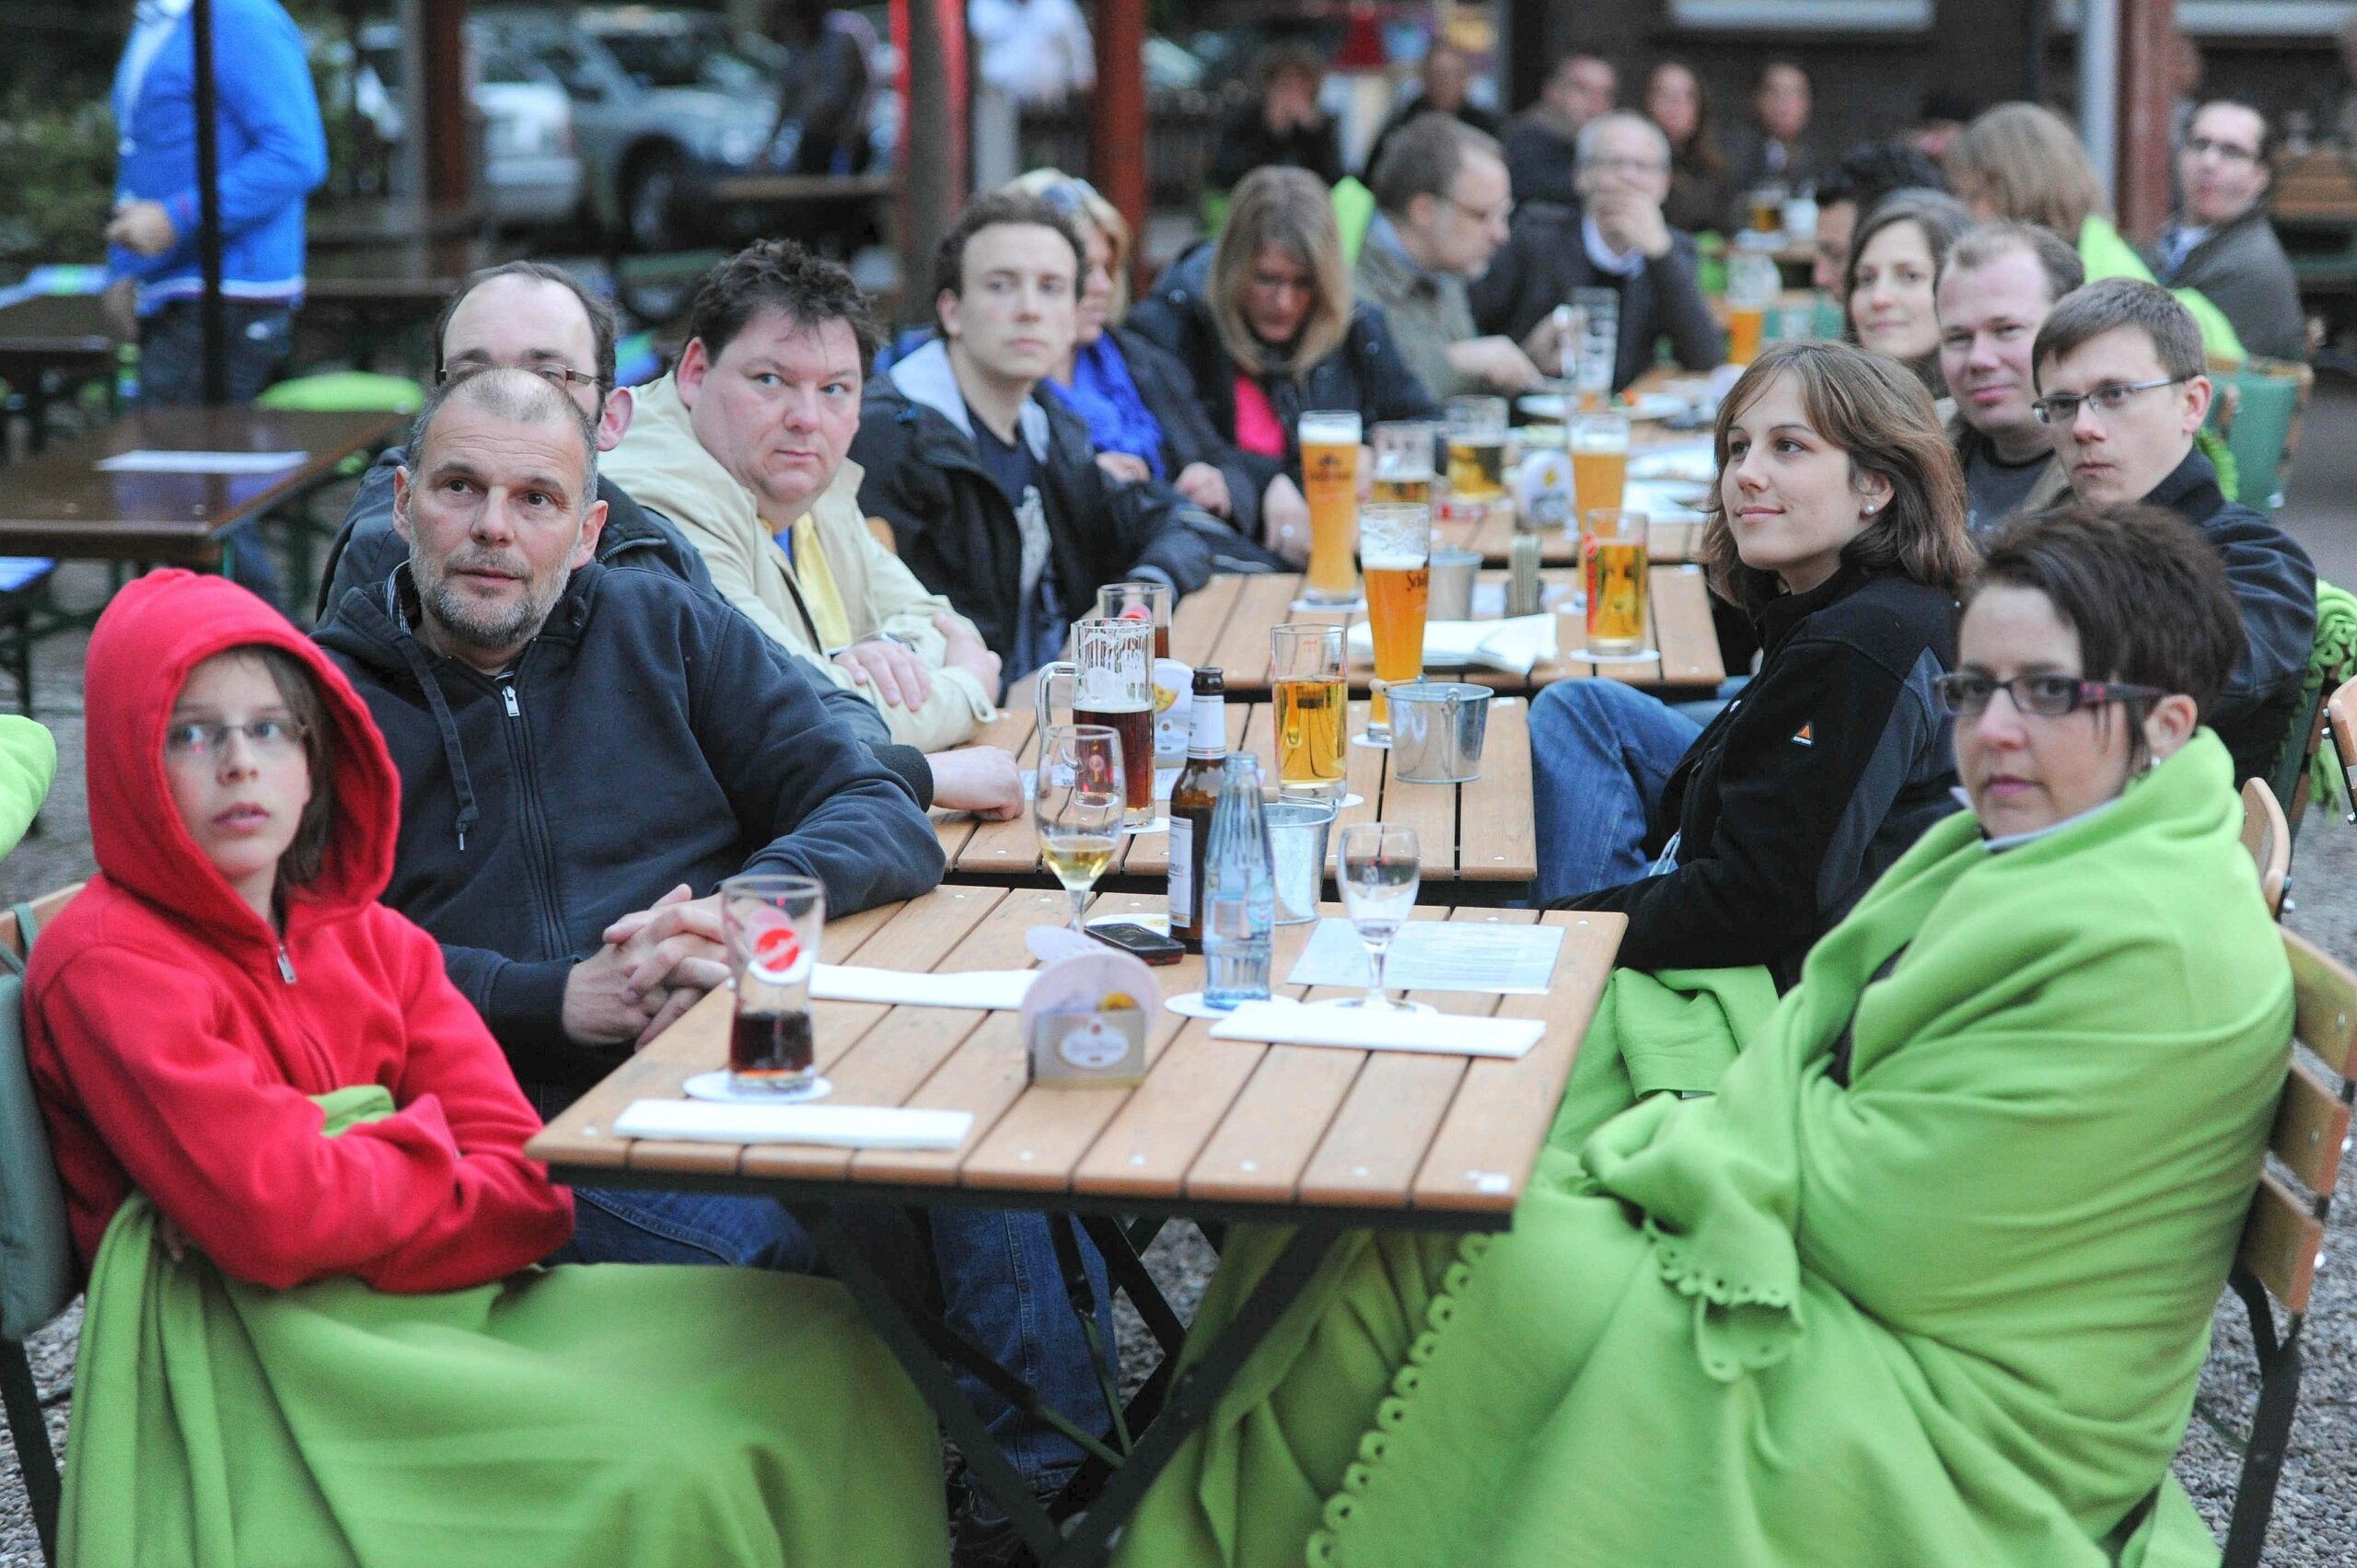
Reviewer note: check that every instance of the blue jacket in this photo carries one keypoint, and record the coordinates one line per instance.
(645, 738)
(272, 150)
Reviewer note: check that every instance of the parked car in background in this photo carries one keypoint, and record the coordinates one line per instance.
(531, 173)
(664, 104)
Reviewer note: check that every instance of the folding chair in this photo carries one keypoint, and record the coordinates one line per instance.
(2275, 1263)
(38, 1278)
(2269, 839)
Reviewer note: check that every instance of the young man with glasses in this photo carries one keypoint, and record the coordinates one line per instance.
(2122, 391)
(2219, 241)
(1615, 239)
(1442, 206)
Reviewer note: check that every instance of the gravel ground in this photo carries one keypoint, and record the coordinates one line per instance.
(2315, 1523)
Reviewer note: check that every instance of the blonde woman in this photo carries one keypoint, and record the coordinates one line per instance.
(2022, 161)
(1266, 324)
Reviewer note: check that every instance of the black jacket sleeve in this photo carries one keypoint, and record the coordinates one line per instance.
(365, 549)
(2275, 587)
(1170, 396)
(1796, 751)
(1389, 389)
(1685, 315)
(829, 809)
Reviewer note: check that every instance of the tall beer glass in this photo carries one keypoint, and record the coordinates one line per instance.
(1329, 482)
(1752, 284)
(1149, 602)
(1395, 546)
(1109, 681)
(1403, 461)
(1305, 678)
(1599, 346)
(1599, 444)
(1477, 449)
(1614, 555)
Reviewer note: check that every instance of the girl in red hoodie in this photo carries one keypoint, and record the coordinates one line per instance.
(293, 1158)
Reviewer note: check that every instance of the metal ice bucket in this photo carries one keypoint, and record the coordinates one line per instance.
(1436, 729)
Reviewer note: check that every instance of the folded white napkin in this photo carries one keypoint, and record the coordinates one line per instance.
(1511, 645)
(846, 1126)
(1665, 500)
(1694, 461)
(1292, 1023)
(973, 988)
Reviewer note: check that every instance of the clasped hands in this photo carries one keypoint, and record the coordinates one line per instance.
(655, 964)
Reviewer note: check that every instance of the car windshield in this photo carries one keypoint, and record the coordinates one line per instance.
(700, 58)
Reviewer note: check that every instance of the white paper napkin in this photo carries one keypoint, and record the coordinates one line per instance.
(974, 988)
(1511, 645)
(1697, 462)
(1292, 1023)
(845, 1126)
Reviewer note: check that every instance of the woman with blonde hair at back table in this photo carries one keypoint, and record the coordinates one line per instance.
(2022, 161)
(1929, 1279)
(1266, 322)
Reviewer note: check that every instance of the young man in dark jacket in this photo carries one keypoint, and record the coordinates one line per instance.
(2120, 385)
(992, 490)
(2220, 240)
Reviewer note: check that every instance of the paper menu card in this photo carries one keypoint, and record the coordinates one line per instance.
(1435, 955)
(842, 1126)
(990, 989)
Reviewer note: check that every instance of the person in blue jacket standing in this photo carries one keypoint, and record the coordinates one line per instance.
(273, 154)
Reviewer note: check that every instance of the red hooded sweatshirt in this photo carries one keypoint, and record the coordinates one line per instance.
(176, 1039)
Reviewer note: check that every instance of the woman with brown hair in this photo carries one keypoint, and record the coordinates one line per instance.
(2022, 161)
(1887, 308)
(1838, 526)
(1699, 192)
(1266, 323)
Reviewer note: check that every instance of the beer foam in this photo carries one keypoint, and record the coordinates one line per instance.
(1380, 560)
(1329, 427)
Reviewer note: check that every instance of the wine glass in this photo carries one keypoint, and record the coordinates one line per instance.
(1077, 806)
(1380, 873)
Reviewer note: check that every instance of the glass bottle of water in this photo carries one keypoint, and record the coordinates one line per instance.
(1239, 895)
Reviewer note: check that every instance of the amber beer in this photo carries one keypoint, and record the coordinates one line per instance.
(1752, 283)
(1618, 570)
(1329, 482)
(1744, 326)
(1310, 715)
(1403, 461)
(1135, 728)
(1395, 544)
(1599, 444)
(1477, 449)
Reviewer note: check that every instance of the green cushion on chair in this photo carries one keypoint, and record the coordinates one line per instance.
(1353, 212)
(345, 391)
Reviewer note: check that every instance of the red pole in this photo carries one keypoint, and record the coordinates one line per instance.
(2147, 101)
(1117, 158)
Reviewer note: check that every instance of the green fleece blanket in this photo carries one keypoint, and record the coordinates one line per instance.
(1946, 1315)
(2333, 659)
(574, 1415)
(2106, 255)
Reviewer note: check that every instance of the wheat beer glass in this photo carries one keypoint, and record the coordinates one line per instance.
(1395, 551)
(1599, 444)
(1149, 602)
(1329, 482)
(1752, 284)
(1598, 311)
(1109, 681)
(1613, 552)
(1477, 449)
(1403, 461)
(1305, 678)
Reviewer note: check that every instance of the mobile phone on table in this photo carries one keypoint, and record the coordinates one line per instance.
(1147, 944)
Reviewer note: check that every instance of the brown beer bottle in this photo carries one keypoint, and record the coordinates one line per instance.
(1192, 799)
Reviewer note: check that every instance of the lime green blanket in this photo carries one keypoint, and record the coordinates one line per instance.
(2106, 255)
(1949, 1314)
(610, 1415)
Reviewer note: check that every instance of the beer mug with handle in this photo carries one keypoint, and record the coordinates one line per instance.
(1110, 681)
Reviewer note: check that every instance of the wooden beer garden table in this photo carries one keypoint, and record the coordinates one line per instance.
(1668, 544)
(64, 339)
(1475, 839)
(1322, 1140)
(60, 504)
(1227, 622)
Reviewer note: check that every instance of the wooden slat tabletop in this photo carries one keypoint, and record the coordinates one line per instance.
(1495, 534)
(1474, 832)
(1213, 1122)
(1229, 625)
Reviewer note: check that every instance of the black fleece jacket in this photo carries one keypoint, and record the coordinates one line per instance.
(1807, 787)
(366, 550)
(645, 738)
(2275, 587)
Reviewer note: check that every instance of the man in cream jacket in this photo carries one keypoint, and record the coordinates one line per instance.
(742, 447)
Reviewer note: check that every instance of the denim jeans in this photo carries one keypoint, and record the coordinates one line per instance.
(171, 374)
(1000, 1282)
(1599, 756)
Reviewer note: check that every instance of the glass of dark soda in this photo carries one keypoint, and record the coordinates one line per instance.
(772, 922)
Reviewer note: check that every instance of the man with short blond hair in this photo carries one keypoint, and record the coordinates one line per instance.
(1995, 291)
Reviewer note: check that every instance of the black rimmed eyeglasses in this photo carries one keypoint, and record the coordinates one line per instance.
(2049, 696)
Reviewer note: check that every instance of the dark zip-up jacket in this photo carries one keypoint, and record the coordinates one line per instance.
(2275, 587)
(1545, 259)
(1807, 787)
(366, 549)
(1366, 372)
(956, 530)
(645, 738)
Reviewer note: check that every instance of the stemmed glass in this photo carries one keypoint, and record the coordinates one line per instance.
(1077, 806)
(1380, 873)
